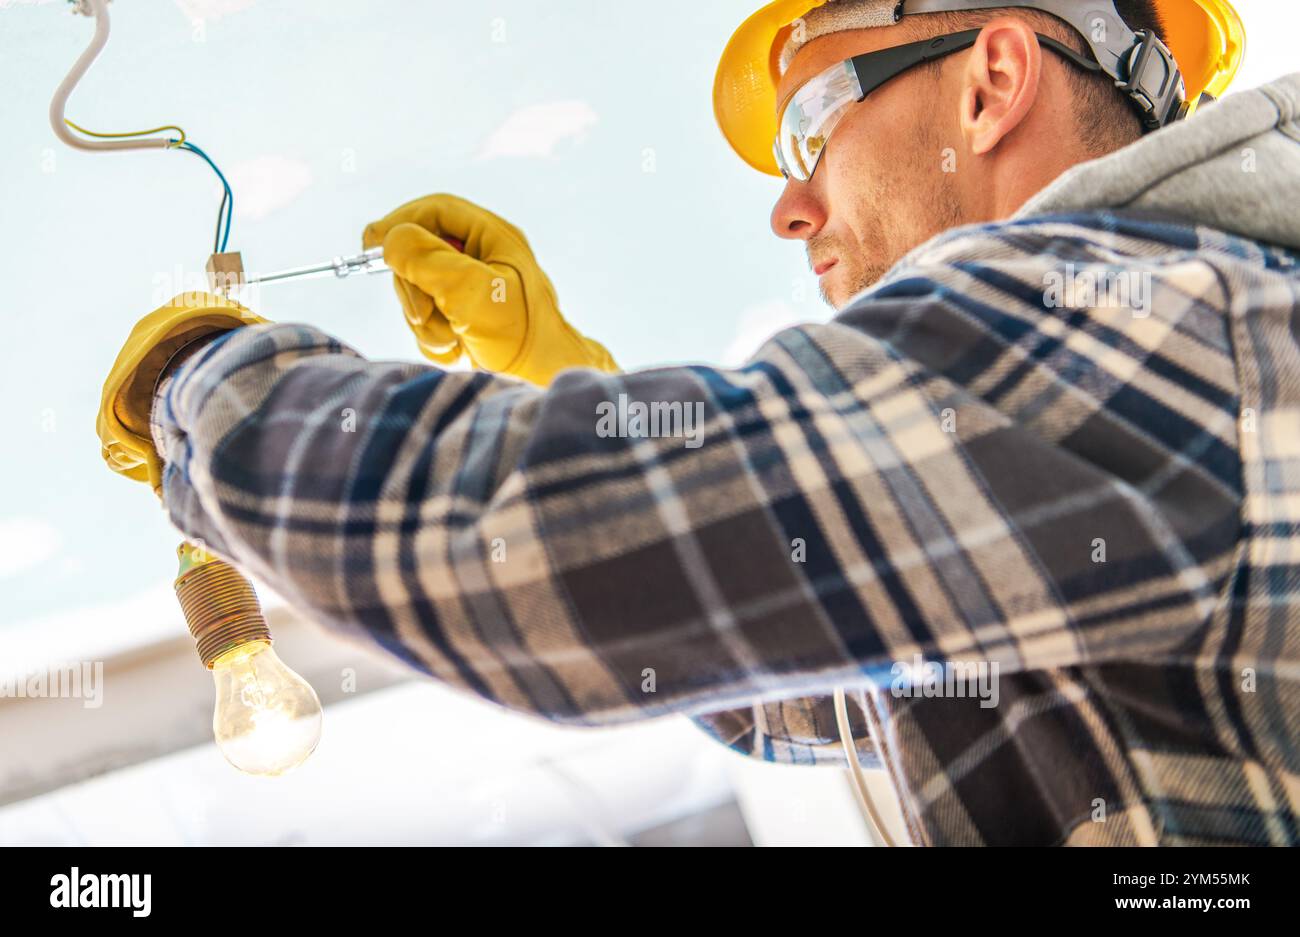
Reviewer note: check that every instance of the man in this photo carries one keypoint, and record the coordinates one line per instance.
(1055, 445)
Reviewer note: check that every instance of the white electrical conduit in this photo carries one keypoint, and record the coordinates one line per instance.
(99, 9)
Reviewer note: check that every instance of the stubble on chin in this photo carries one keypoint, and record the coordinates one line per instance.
(840, 293)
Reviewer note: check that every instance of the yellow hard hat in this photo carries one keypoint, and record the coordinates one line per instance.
(1206, 37)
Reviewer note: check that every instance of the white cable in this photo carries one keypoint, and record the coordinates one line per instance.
(859, 779)
(99, 8)
(878, 744)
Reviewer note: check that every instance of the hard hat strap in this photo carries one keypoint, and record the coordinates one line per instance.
(1153, 83)
(1143, 68)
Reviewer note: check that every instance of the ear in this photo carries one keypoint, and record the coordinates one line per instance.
(1000, 83)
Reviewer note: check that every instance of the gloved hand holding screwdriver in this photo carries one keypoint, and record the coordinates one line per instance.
(491, 302)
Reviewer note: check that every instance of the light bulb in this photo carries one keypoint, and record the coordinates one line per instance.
(267, 720)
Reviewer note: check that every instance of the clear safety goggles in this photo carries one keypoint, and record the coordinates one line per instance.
(819, 105)
(811, 115)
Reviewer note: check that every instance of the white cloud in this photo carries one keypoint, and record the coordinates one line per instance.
(25, 543)
(537, 130)
(211, 10)
(759, 323)
(267, 184)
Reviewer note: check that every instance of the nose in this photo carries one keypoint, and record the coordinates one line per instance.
(798, 214)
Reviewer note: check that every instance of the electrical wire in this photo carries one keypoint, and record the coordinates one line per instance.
(856, 774)
(216, 238)
(129, 140)
(59, 103)
(227, 201)
(134, 133)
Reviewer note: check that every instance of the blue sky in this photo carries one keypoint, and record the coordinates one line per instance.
(327, 115)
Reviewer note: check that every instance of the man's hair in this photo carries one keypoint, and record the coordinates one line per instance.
(1106, 119)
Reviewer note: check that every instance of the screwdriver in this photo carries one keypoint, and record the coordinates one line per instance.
(340, 268)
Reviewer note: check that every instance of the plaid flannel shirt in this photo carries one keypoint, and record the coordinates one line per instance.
(1099, 499)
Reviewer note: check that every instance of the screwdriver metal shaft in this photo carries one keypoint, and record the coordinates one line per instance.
(340, 268)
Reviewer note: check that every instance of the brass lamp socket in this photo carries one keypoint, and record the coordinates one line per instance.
(219, 603)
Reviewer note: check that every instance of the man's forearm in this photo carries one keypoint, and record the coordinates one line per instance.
(487, 532)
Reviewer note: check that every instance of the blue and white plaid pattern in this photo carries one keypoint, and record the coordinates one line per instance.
(1100, 499)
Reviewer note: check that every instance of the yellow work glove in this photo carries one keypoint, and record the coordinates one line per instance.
(491, 301)
(126, 441)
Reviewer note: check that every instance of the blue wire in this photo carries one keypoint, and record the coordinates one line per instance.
(230, 196)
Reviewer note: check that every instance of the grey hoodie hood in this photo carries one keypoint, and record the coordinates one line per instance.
(1235, 166)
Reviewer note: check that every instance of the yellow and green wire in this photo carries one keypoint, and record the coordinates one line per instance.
(227, 210)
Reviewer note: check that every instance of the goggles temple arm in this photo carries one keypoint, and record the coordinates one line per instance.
(1087, 63)
(874, 69)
